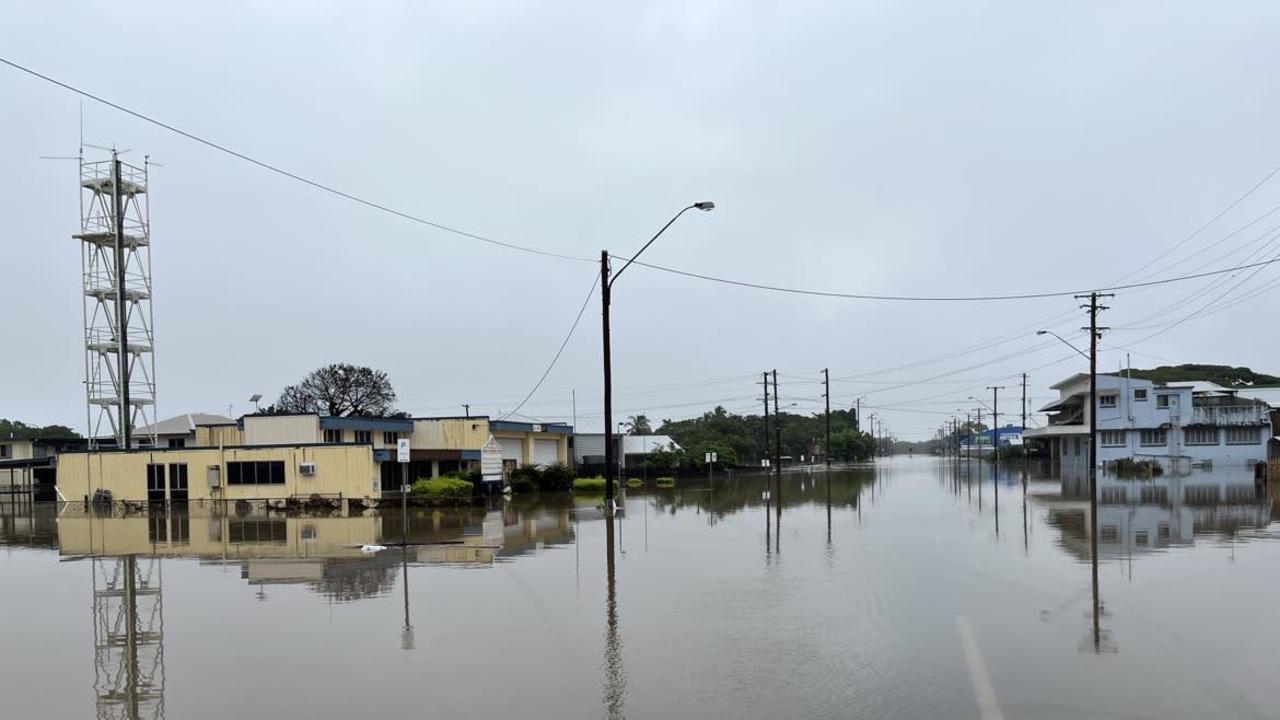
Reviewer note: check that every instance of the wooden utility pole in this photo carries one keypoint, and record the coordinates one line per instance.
(995, 420)
(608, 384)
(777, 454)
(1095, 333)
(765, 445)
(826, 380)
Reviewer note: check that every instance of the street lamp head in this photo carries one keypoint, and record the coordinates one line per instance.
(705, 205)
(1042, 332)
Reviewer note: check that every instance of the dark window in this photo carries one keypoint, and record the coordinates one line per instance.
(1140, 395)
(259, 472)
(177, 442)
(178, 476)
(1107, 401)
(390, 438)
(155, 478)
(333, 435)
(364, 436)
(4, 451)
(1162, 401)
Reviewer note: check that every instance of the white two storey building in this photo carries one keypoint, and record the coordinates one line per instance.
(1178, 425)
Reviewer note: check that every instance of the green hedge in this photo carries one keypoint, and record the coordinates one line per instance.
(589, 484)
(442, 488)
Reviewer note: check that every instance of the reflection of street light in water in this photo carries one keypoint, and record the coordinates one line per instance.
(615, 675)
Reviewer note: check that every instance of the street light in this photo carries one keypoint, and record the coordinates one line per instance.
(1064, 342)
(606, 287)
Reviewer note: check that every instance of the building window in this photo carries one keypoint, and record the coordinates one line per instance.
(1162, 401)
(390, 438)
(1107, 401)
(1113, 438)
(1244, 435)
(1140, 395)
(5, 451)
(333, 435)
(1202, 435)
(177, 442)
(256, 472)
(272, 530)
(1154, 438)
(364, 437)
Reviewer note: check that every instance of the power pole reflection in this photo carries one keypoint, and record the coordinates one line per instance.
(406, 633)
(615, 675)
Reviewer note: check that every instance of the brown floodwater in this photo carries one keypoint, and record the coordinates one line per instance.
(914, 589)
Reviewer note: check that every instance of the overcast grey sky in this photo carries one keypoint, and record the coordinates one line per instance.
(936, 148)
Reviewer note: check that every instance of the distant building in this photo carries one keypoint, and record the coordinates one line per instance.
(983, 441)
(179, 431)
(588, 448)
(1176, 425)
(28, 466)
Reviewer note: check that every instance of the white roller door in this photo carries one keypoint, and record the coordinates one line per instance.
(512, 449)
(546, 452)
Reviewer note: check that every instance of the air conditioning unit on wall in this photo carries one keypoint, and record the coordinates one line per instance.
(307, 468)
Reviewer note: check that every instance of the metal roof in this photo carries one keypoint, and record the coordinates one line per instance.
(183, 424)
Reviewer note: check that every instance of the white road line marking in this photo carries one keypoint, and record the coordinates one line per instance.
(983, 691)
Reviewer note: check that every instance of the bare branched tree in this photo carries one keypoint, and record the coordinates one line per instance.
(341, 390)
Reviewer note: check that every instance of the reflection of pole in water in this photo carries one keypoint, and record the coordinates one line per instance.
(406, 634)
(1026, 548)
(995, 491)
(828, 509)
(128, 630)
(615, 675)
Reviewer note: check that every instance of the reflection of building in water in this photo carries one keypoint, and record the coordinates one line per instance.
(1136, 516)
(323, 552)
(128, 637)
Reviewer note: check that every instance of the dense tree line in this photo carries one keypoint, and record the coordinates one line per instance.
(740, 439)
(16, 429)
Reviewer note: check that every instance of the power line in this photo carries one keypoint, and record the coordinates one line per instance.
(288, 173)
(524, 248)
(949, 298)
(556, 359)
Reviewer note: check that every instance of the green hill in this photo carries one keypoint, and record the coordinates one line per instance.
(1224, 375)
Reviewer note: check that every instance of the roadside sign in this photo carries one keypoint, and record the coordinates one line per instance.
(402, 450)
(491, 460)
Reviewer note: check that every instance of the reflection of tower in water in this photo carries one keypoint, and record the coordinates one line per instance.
(128, 637)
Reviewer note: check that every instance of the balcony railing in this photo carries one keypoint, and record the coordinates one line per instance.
(1221, 415)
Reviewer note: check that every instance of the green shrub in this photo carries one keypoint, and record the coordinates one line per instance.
(665, 482)
(1130, 468)
(521, 484)
(441, 488)
(557, 477)
(635, 482)
(589, 485)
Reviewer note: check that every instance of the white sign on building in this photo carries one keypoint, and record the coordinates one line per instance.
(491, 460)
(402, 450)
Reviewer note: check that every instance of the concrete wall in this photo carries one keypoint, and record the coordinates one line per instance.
(218, 436)
(348, 470)
(449, 433)
(282, 429)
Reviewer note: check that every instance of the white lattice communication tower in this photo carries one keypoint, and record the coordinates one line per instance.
(115, 257)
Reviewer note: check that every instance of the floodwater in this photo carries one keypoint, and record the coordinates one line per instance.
(915, 589)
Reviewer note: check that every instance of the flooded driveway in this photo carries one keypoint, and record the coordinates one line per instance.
(916, 589)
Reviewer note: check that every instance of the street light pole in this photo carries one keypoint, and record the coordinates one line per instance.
(606, 291)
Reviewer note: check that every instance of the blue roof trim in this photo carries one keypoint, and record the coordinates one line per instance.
(359, 423)
(383, 455)
(529, 427)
